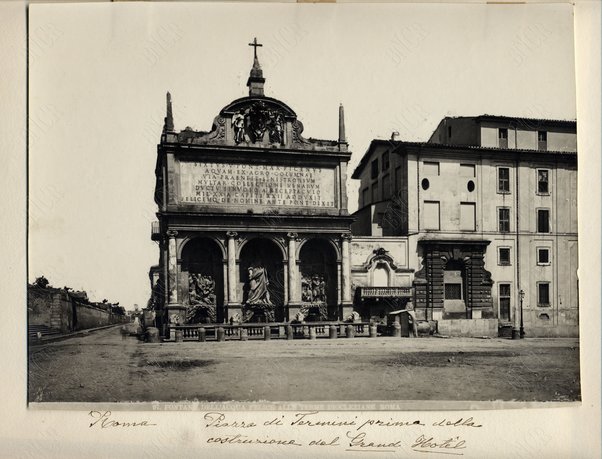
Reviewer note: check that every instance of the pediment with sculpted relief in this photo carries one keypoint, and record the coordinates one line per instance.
(256, 122)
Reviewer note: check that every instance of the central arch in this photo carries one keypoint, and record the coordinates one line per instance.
(261, 274)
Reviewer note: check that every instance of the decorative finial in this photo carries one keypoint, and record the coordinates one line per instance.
(342, 124)
(256, 79)
(168, 122)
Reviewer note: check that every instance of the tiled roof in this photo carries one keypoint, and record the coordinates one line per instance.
(528, 121)
(439, 146)
(480, 148)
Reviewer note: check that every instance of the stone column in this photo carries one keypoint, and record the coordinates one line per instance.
(294, 294)
(233, 302)
(172, 266)
(232, 266)
(293, 272)
(286, 282)
(175, 310)
(346, 275)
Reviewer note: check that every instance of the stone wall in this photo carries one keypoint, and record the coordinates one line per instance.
(39, 306)
(468, 327)
(59, 310)
(560, 331)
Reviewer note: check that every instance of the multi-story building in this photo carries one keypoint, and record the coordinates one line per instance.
(479, 219)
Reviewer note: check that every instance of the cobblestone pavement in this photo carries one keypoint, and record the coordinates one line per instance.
(107, 367)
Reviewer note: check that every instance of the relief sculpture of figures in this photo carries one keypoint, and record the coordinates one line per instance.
(313, 289)
(258, 294)
(306, 295)
(313, 295)
(252, 123)
(201, 290)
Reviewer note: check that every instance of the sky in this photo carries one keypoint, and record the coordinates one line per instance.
(98, 74)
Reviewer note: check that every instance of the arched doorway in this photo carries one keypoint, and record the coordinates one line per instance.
(262, 281)
(454, 286)
(319, 280)
(202, 281)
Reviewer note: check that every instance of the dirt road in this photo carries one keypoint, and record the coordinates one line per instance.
(105, 367)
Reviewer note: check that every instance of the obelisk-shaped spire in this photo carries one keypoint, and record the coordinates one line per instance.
(256, 79)
(168, 122)
(342, 124)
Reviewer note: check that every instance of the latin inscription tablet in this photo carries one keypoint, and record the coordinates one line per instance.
(225, 184)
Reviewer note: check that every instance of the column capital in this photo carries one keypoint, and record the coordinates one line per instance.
(171, 233)
(346, 236)
(292, 236)
(232, 234)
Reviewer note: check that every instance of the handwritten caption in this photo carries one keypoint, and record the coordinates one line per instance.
(320, 429)
(356, 434)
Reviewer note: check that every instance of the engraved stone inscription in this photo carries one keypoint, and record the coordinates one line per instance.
(253, 184)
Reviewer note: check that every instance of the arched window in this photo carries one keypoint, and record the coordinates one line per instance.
(380, 276)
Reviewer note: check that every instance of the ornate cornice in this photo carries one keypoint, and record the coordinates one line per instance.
(380, 255)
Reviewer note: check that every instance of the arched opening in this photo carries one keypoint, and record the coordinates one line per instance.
(380, 276)
(318, 273)
(261, 272)
(454, 287)
(202, 281)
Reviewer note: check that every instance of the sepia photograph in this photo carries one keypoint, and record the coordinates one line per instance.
(311, 205)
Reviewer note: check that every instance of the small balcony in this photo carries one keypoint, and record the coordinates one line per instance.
(386, 292)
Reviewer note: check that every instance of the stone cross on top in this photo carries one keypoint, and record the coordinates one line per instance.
(256, 79)
(255, 45)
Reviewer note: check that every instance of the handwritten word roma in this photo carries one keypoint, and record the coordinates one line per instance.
(103, 420)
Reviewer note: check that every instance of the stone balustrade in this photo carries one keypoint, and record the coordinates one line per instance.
(243, 332)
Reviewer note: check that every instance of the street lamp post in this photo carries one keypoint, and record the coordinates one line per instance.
(521, 294)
